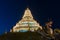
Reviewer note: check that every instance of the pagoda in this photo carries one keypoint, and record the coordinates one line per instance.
(27, 23)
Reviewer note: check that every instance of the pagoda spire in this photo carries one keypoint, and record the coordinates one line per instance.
(27, 23)
(27, 13)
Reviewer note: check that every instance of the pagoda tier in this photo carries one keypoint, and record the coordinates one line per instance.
(27, 23)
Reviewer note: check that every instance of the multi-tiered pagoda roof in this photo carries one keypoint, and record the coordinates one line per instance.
(27, 23)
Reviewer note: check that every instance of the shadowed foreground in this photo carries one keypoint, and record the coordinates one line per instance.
(23, 36)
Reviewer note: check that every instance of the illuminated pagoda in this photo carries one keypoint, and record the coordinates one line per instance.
(27, 23)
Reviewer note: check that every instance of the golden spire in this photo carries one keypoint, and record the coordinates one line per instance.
(27, 13)
(27, 23)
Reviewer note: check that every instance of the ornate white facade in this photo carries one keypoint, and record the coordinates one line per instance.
(27, 23)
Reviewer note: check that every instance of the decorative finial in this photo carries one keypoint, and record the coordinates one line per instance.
(27, 13)
(27, 8)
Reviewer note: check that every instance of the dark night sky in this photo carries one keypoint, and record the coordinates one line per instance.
(11, 12)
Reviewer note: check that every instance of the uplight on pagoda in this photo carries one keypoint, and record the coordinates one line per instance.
(27, 23)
